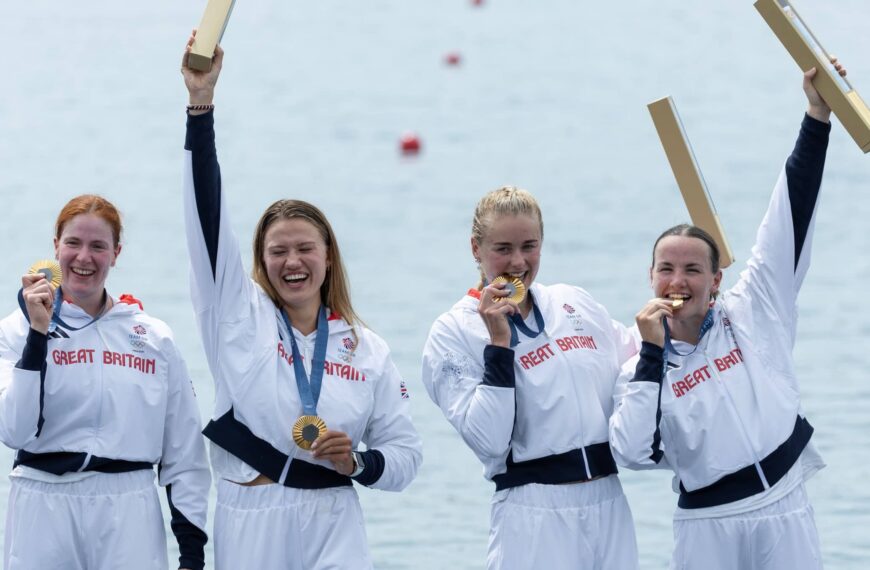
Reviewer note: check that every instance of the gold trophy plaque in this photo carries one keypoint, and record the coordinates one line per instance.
(807, 52)
(688, 174)
(209, 33)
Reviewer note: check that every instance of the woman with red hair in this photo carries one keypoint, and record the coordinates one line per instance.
(93, 395)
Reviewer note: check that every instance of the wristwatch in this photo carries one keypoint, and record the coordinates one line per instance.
(359, 464)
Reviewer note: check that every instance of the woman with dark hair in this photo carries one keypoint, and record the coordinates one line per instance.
(93, 395)
(713, 394)
(300, 381)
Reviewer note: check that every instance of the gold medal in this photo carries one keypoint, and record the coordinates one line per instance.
(307, 429)
(50, 269)
(514, 286)
(677, 303)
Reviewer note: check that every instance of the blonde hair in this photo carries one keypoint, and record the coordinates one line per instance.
(335, 291)
(505, 201)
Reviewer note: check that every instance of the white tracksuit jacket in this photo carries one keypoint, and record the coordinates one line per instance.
(735, 401)
(114, 396)
(536, 413)
(249, 353)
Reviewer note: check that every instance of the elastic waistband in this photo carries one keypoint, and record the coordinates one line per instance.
(60, 462)
(235, 437)
(240, 497)
(95, 485)
(747, 481)
(566, 496)
(576, 465)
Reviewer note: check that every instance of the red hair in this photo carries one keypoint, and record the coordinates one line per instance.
(90, 204)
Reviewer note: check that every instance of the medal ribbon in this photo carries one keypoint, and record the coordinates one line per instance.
(669, 347)
(516, 322)
(55, 312)
(309, 388)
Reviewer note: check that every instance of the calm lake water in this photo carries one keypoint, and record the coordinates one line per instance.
(550, 96)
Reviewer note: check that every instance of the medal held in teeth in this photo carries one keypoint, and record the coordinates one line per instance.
(307, 429)
(49, 269)
(513, 285)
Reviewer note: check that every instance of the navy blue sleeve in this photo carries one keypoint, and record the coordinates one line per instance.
(804, 169)
(191, 539)
(374, 467)
(200, 141)
(650, 368)
(498, 367)
(35, 351)
(33, 358)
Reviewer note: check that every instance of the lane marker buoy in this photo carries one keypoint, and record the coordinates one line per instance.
(410, 143)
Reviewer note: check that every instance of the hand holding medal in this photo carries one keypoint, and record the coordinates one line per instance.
(38, 291)
(650, 319)
(335, 447)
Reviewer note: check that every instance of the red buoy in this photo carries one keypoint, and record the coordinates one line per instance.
(453, 58)
(477, 2)
(410, 143)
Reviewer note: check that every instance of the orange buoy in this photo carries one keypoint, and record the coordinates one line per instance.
(410, 143)
(453, 58)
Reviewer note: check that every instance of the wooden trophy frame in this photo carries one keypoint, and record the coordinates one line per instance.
(807, 52)
(209, 33)
(688, 174)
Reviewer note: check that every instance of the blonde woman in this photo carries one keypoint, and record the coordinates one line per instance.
(528, 385)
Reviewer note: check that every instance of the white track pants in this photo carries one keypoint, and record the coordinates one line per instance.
(581, 526)
(105, 522)
(273, 527)
(781, 536)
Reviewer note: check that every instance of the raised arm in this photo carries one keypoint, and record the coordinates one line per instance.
(201, 84)
(781, 255)
(220, 288)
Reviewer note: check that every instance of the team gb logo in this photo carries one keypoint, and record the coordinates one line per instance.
(573, 317)
(137, 343)
(345, 352)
